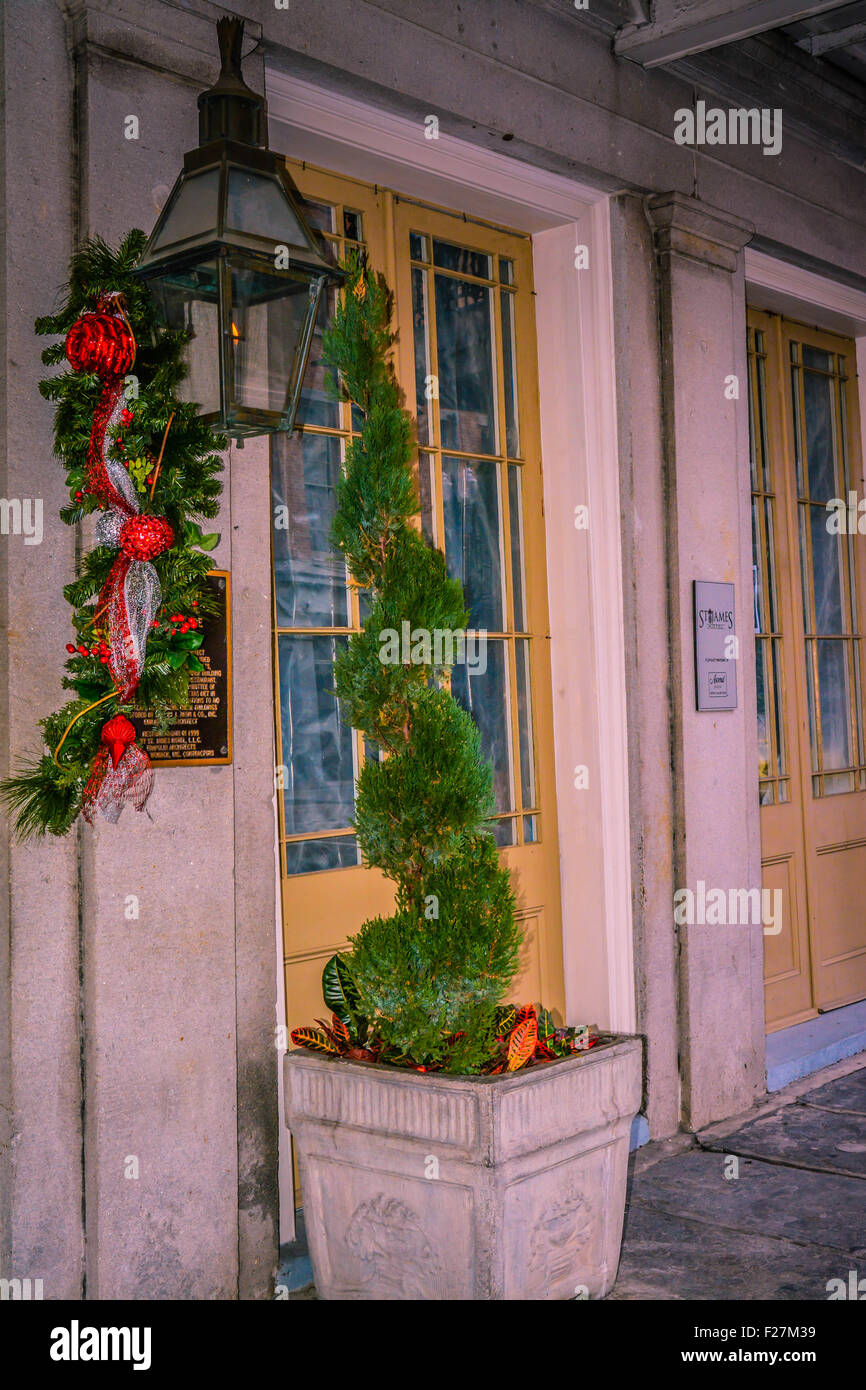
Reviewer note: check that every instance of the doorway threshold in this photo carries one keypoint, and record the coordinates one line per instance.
(806, 1047)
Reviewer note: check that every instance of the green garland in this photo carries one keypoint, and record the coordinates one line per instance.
(45, 797)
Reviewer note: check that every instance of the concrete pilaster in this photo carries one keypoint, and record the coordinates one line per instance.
(716, 828)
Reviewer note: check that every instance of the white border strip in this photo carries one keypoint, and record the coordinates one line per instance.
(368, 136)
(840, 305)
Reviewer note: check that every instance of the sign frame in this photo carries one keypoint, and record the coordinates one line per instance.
(221, 761)
(715, 621)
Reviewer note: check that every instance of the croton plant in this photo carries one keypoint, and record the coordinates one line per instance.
(526, 1034)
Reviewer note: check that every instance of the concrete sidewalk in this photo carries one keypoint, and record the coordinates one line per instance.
(767, 1205)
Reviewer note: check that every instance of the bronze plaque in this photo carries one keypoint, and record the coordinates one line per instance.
(201, 733)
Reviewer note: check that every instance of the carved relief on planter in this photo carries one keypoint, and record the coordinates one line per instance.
(395, 1253)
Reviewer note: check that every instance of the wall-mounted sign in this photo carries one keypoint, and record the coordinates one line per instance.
(202, 732)
(715, 646)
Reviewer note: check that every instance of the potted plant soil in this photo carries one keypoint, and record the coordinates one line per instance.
(451, 1145)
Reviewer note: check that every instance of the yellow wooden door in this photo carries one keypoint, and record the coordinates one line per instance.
(465, 358)
(810, 558)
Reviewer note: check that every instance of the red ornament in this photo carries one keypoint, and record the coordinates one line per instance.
(121, 772)
(101, 343)
(143, 537)
(117, 734)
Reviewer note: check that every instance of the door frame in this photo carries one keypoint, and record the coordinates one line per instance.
(577, 398)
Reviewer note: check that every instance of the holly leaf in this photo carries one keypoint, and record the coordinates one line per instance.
(187, 641)
(193, 536)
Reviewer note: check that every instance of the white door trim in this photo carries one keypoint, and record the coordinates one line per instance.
(347, 136)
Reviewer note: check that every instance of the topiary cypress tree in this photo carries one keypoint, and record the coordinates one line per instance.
(430, 976)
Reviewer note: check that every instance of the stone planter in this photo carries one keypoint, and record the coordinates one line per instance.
(435, 1187)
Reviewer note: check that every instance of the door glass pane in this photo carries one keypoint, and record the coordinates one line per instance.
(352, 225)
(309, 575)
(827, 574)
(423, 376)
(464, 344)
(515, 510)
(765, 754)
(524, 724)
(316, 406)
(509, 374)
(833, 677)
(427, 497)
(484, 693)
(461, 259)
(318, 749)
(311, 856)
(820, 454)
(473, 540)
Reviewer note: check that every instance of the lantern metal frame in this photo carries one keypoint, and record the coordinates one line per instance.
(232, 134)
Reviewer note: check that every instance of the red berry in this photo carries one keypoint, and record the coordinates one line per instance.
(78, 496)
(155, 623)
(69, 647)
(83, 651)
(126, 417)
(104, 660)
(195, 603)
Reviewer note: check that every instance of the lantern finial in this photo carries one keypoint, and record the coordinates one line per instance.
(230, 110)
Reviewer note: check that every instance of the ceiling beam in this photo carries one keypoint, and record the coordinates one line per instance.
(816, 44)
(675, 32)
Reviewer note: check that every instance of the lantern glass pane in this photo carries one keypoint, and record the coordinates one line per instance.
(188, 299)
(193, 211)
(257, 205)
(269, 316)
